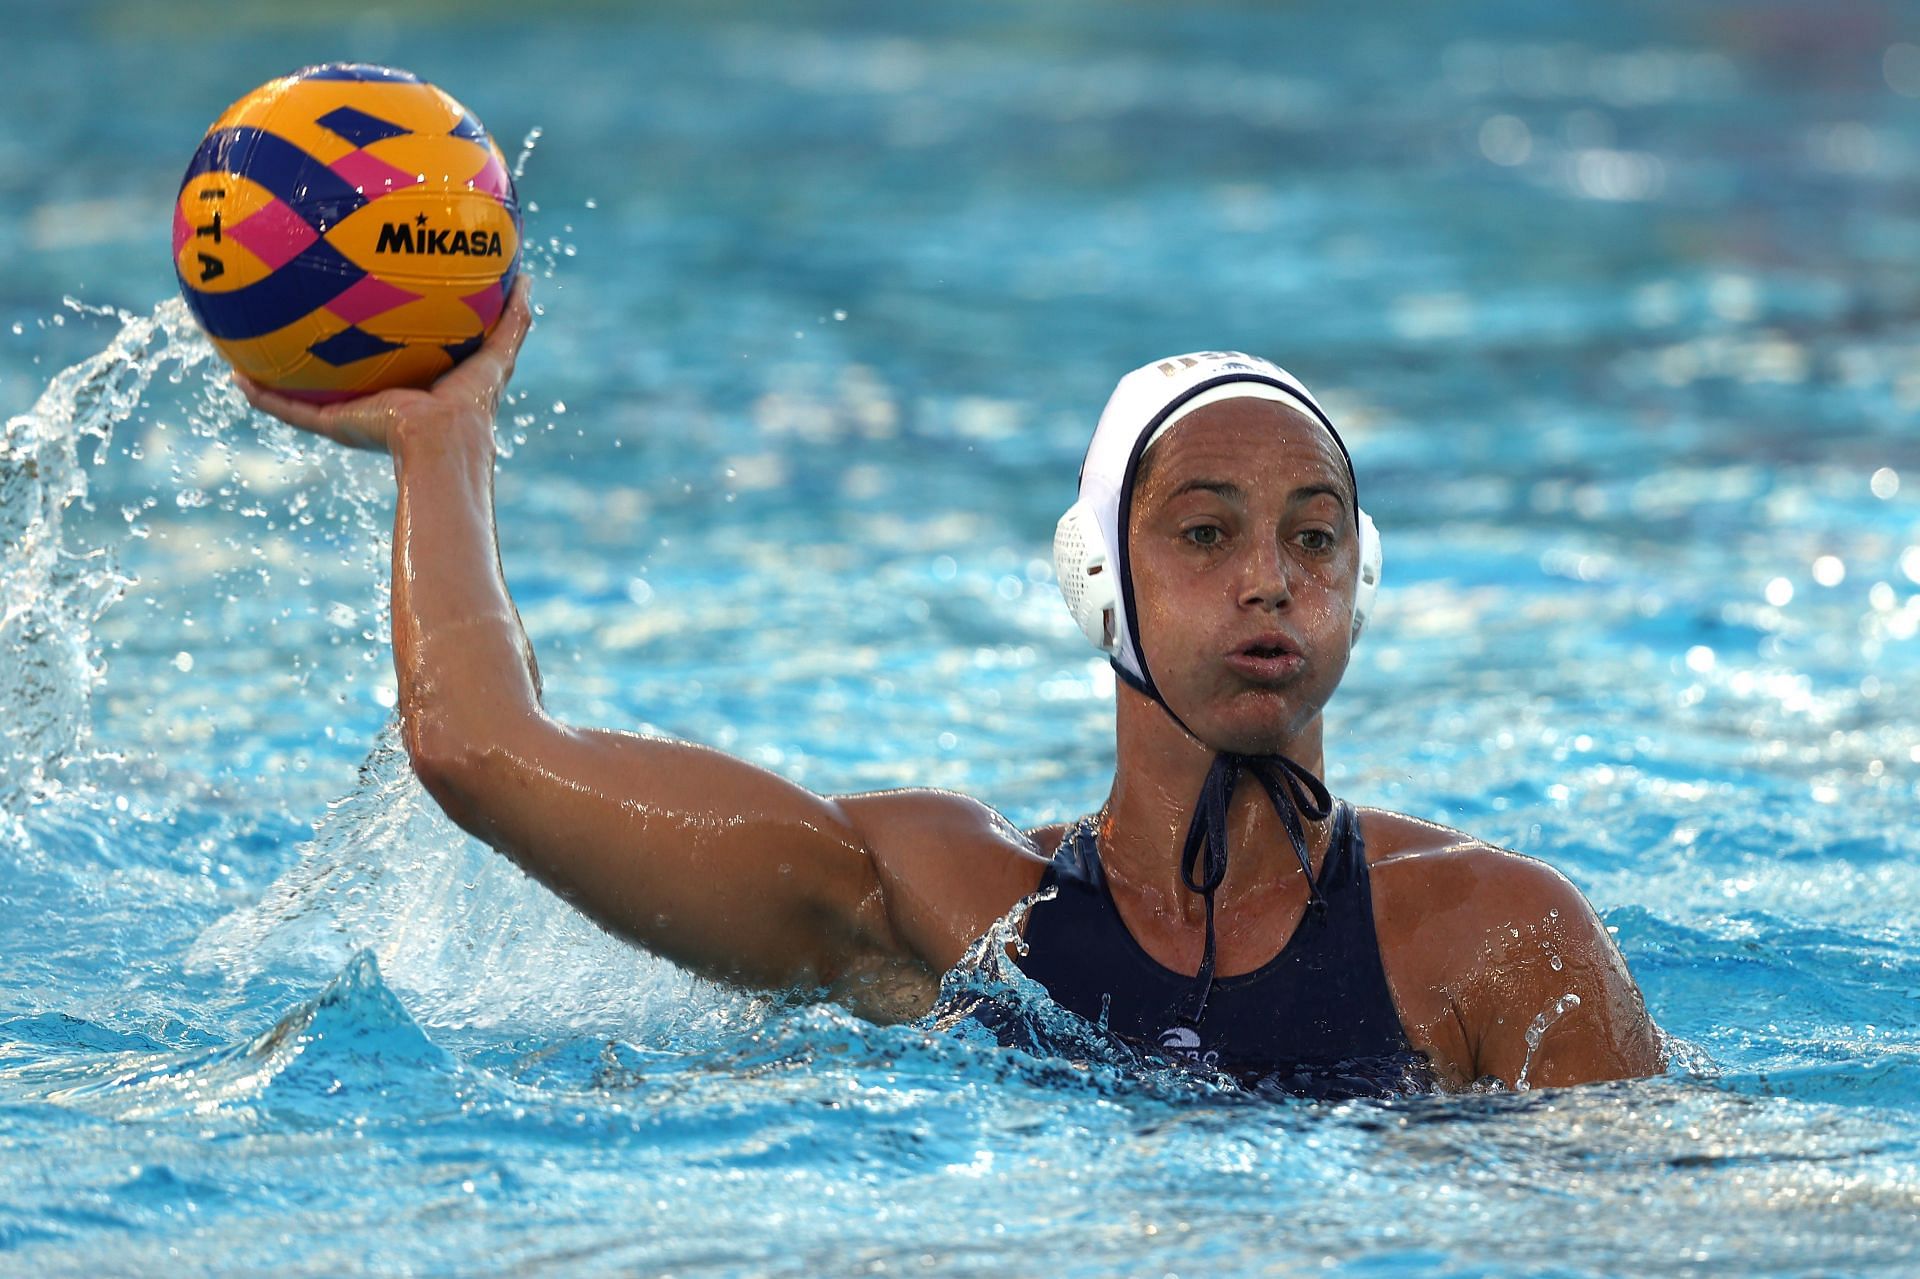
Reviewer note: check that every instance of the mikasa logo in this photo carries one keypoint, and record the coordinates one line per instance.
(399, 237)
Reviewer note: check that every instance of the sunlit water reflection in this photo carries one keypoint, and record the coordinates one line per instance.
(1620, 325)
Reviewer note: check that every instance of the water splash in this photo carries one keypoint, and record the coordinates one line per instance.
(1537, 1031)
(987, 1004)
(466, 934)
(52, 590)
(986, 973)
(469, 938)
(338, 1055)
(527, 145)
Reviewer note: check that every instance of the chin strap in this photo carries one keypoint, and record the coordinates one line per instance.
(1294, 793)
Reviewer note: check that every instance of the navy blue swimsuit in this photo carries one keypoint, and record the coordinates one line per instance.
(1317, 1019)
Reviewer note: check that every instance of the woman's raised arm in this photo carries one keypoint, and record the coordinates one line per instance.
(702, 858)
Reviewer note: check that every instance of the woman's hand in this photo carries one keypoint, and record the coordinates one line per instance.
(471, 389)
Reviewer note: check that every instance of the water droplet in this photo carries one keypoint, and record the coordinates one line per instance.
(1537, 1031)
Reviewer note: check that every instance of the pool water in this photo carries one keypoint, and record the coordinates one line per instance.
(1617, 307)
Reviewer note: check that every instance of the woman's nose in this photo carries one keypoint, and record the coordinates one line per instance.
(1266, 584)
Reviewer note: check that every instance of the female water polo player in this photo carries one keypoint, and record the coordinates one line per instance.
(1220, 907)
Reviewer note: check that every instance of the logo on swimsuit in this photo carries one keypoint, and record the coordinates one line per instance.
(1184, 1041)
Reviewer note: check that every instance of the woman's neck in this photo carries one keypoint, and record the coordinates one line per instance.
(1156, 788)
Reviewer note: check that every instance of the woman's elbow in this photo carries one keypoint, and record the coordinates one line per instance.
(454, 760)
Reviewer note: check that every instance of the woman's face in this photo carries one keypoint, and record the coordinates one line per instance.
(1244, 557)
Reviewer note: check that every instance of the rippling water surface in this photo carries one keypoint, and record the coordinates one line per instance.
(1620, 313)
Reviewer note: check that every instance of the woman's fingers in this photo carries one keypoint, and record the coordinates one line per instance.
(357, 424)
(484, 374)
(515, 321)
(366, 423)
(291, 411)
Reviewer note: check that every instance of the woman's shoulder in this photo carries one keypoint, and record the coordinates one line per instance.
(1395, 837)
(948, 865)
(1046, 839)
(1444, 871)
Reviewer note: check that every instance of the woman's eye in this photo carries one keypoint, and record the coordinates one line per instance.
(1316, 539)
(1204, 535)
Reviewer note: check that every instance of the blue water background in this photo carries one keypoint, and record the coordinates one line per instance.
(1618, 306)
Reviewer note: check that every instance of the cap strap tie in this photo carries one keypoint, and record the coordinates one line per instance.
(1294, 792)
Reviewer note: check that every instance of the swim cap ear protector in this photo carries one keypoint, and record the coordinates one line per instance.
(1146, 404)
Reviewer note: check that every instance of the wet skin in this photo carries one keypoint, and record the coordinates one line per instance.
(1242, 531)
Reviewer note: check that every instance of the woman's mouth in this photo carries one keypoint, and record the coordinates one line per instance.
(1265, 659)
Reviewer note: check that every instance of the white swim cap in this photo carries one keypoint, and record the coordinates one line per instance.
(1089, 545)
